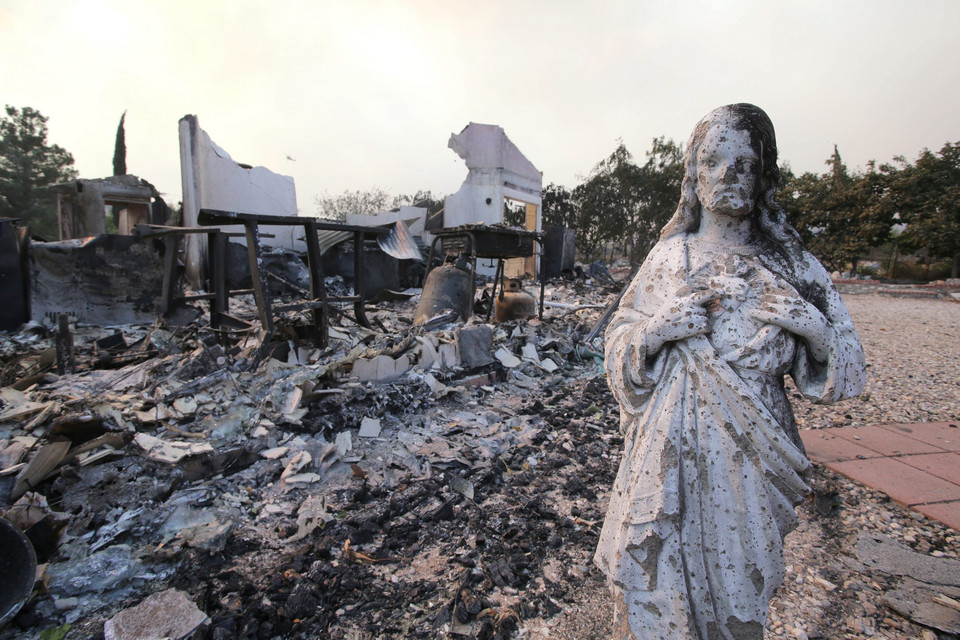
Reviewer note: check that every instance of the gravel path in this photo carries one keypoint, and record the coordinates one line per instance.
(913, 365)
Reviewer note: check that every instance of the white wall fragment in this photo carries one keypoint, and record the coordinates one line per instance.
(211, 179)
(497, 171)
(380, 368)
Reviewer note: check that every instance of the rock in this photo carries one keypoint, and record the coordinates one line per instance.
(168, 614)
(210, 537)
(94, 574)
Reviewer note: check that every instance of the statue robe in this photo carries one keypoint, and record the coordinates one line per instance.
(713, 464)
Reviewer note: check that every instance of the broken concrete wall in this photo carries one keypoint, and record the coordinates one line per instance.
(497, 170)
(211, 179)
(81, 205)
(105, 280)
(82, 215)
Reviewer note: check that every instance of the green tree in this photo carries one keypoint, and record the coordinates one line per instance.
(558, 206)
(660, 181)
(120, 149)
(368, 202)
(423, 198)
(28, 164)
(623, 202)
(602, 200)
(927, 194)
(839, 215)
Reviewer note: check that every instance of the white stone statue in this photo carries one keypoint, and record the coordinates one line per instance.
(725, 305)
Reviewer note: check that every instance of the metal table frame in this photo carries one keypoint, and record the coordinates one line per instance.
(219, 296)
(319, 299)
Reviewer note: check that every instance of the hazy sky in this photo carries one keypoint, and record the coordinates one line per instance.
(362, 93)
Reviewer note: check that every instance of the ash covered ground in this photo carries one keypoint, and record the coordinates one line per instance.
(465, 503)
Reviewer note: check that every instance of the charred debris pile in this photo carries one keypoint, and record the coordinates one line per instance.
(405, 481)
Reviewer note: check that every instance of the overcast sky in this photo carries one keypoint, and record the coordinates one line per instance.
(361, 93)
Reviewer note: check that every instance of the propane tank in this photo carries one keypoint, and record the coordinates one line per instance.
(514, 303)
(447, 289)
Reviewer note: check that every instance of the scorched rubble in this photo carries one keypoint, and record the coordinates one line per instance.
(473, 512)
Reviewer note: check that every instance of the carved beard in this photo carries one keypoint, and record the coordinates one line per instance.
(729, 199)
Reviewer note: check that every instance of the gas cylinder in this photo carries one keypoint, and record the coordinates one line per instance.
(447, 289)
(514, 303)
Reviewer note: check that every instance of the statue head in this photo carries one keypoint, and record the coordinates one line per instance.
(767, 213)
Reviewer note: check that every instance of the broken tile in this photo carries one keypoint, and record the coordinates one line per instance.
(344, 443)
(507, 359)
(274, 454)
(169, 451)
(298, 462)
(369, 428)
(185, 406)
(303, 478)
(529, 352)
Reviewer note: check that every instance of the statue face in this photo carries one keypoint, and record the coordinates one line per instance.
(727, 172)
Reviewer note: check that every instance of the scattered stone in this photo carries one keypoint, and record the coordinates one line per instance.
(168, 614)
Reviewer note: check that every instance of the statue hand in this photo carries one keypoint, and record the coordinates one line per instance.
(799, 317)
(679, 318)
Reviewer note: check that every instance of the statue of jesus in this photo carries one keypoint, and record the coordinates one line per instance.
(725, 305)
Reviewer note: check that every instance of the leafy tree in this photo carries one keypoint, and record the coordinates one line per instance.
(927, 194)
(27, 165)
(422, 198)
(373, 201)
(876, 210)
(367, 202)
(120, 149)
(621, 201)
(661, 177)
(839, 215)
(558, 206)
